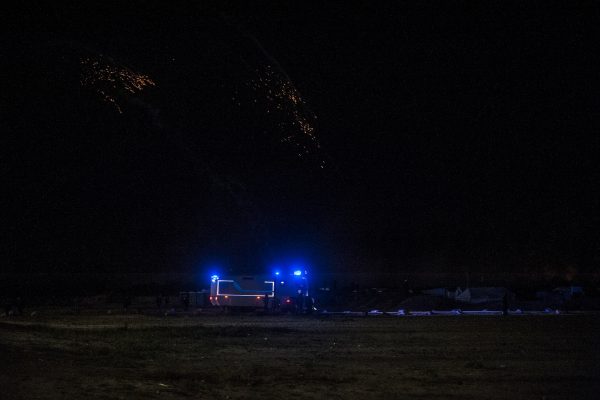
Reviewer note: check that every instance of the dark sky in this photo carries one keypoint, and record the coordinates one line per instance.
(454, 133)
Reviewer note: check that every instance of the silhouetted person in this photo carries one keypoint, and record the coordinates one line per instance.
(266, 303)
(299, 302)
(126, 302)
(19, 305)
(7, 306)
(310, 305)
(77, 305)
(186, 301)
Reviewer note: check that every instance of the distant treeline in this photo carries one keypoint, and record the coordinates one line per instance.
(147, 284)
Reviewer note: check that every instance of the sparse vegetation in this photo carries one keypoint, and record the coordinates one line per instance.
(58, 356)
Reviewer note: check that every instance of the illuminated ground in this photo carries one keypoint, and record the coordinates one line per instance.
(56, 356)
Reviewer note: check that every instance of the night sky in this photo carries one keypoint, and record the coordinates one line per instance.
(353, 136)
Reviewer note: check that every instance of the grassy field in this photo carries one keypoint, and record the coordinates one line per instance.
(54, 356)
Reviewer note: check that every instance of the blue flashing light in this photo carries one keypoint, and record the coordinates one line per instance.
(297, 273)
(276, 272)
(214, 278)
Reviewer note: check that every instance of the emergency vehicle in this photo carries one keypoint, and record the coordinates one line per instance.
(285, 292)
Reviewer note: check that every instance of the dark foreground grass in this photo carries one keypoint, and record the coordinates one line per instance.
(252, 357)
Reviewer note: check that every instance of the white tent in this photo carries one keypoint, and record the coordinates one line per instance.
(479, 295)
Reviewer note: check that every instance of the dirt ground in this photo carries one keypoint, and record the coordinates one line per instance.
(58, 356)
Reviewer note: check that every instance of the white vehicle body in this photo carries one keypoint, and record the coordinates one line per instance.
(280, 292)
(241, 291)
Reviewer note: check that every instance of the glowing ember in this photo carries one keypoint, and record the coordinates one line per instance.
(282, 97)
(110, 81)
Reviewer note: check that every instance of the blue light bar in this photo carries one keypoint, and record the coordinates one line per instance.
(214, 278)
(298, 273)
